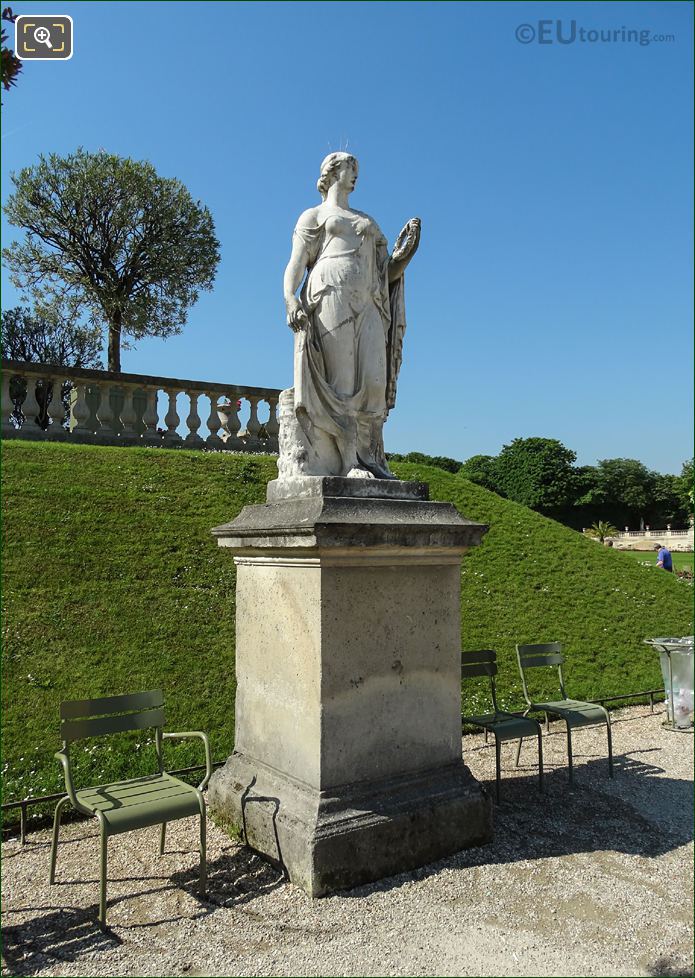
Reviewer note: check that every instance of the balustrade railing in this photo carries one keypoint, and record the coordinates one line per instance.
(96, 406)
(646, 534)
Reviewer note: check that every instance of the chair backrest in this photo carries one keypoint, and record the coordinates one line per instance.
(481, 663)
(543, 655)
(111, 714)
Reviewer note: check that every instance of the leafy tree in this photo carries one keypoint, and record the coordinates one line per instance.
(37, 340)
(685, 486)
(11, 65)
(601, 530)
(482, 469)
(537, 472)
(667, 505)
(109, 238)
(626, 487)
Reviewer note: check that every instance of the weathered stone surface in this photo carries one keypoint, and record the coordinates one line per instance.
(348, 734)
(321, 521)
(317, 485)
(333, 840)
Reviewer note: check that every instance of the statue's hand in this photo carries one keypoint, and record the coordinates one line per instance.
(297, 318)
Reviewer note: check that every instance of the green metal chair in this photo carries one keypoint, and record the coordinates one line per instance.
(503, 726)
(126, 805)
(575, 713)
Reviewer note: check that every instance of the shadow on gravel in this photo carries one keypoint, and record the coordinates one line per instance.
(667, 968)
(590, 817)
(235, 878)
(54, 936)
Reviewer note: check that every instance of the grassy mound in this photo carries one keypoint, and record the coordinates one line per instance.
(113, 582)
(534, 580)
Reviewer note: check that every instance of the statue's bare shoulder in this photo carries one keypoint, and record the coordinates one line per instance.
(309, 218)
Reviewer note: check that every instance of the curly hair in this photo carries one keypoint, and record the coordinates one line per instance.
(328, 170)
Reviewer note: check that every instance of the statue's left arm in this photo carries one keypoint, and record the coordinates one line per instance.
(404, 249)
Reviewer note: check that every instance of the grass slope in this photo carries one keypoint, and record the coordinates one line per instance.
(113, 582)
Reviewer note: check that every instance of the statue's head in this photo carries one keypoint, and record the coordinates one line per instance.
(337, 167)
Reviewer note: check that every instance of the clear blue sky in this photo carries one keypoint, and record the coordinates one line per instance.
(552, 292)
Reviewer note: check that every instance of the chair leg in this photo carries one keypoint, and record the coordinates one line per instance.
(54, 845)
(569, 753)
(540, 759)
(610, 748)
(547, 723)
(518, 751)
(162, 838)
(104, 839)
(518, 746)
(203, 853)
(498, 760)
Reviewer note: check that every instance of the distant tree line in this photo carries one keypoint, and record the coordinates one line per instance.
(540, 473)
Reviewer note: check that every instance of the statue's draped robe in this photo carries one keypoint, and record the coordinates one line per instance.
(348, 358)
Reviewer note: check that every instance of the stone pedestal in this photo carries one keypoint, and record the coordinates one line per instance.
(347, 763)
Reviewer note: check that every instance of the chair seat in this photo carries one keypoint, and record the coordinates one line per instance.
(136, 804)
(506, 726)
(576, 712)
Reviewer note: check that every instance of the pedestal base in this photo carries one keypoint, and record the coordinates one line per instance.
(347, 763)
(338, 839)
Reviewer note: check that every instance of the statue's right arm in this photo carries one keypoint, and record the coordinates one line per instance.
(294, 274)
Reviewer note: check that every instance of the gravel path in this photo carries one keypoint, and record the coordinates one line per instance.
(596, 880)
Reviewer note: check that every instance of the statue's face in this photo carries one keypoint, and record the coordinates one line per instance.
(347, 175)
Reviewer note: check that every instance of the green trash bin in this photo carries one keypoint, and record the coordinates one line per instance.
(676, 655)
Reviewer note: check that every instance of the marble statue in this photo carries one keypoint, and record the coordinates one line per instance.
(348, 321)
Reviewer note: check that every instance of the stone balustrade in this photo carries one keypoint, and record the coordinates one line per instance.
(675, 540)
(133, 409)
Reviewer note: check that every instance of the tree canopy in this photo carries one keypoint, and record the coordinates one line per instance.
(37, 340)
(482, 469)
(623, 481)
(110, 240)
(537, 472)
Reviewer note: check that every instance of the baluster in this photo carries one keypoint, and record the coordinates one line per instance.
(31, 409)
(272, 426)
(56, 410)
(172, 420)
(106, 432)
(8, 429)
(214, 424)
(229, 416)
(193, 439)
(79, 413)
(151, 418)
(253, 442)
(128, 416)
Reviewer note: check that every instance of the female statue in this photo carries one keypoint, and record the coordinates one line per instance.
(349, 322)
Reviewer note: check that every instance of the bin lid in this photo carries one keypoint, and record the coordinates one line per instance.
(684, 645)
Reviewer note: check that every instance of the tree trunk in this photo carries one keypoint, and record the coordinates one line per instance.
(114, 352)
